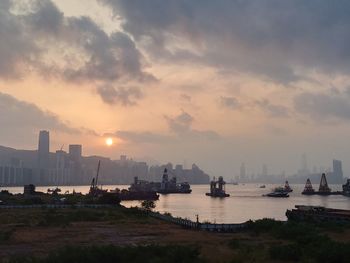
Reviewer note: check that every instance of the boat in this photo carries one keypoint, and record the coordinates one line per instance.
(278, 192)
(262, 186)
(217, 188)
(318, 214)
(287, 187)
(308, 189)
(324, 189)
(346, 188)
(172, 187)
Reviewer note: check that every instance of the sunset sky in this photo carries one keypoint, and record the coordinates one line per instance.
(215, 83)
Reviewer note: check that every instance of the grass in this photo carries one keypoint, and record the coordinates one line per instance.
(113, 254)
(115, 232)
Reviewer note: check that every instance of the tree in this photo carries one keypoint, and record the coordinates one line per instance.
(148, 205)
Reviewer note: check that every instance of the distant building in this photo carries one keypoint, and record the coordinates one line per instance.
(75, 163)
(337, 176)
(75, 152)
(44, 150)
(43, 158)
(242, 174)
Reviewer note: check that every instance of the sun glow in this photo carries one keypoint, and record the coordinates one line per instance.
(109, 141)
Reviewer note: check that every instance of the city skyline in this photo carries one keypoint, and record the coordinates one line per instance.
(253, 87)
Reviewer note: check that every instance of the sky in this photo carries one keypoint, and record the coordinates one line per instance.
(215, 83)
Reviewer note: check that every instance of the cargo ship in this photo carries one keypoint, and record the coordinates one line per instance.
(217, 188)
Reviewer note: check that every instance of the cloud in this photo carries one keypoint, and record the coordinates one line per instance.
(229, 102)
(272, 38)
(37, 36)
(125, 96)
(277, 111)
(181, 125)
(180, 128)
(20, 120)
(143, 137)
(323, 106)
(273, 110)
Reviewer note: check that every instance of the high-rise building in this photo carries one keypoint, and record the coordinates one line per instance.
(242, 174)
(44, 150)
(337, 172)
(75, 152)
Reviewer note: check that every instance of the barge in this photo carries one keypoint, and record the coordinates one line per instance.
(318, 213)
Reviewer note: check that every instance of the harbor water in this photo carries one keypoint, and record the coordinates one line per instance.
(245, 202)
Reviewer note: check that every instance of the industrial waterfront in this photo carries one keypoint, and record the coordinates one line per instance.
(245, 202)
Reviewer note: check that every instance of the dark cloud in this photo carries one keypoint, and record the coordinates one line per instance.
(271, 38)
(125, 96)
(323, 106)
(229, 102)
(278, 111)
(20, 120)
(181, 125)
(181, 131)
(81, 50)
(17, 48)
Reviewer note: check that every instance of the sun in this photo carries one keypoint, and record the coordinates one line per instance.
(109, 141)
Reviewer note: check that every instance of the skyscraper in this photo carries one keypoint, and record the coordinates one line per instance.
(75, 152)
(44, 150)
(42, 173)
(242, 173)
(337, 172)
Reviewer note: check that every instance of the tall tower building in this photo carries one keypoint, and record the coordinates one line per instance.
(337, 172)
(75, 152)
(44, 150)
(242, 173)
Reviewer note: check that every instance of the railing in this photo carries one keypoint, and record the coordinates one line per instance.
(186, 223)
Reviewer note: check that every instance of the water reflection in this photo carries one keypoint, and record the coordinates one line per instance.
(246, 202)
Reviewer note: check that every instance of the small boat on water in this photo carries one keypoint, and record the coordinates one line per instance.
(278, 192)
(287, 187)
(262, 186)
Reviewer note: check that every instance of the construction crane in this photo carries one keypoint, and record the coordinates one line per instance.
(94, 185)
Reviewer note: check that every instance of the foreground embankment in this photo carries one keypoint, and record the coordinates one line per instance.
(118, 234)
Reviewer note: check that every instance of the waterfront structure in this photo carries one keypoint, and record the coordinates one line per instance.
(324, 189)
(217, 188)
(308, 189)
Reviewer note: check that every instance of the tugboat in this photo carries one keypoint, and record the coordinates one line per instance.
(278, 192)
(287, 188)
(172, 187)
(346, 188)
(217, 188)
(308, 189)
